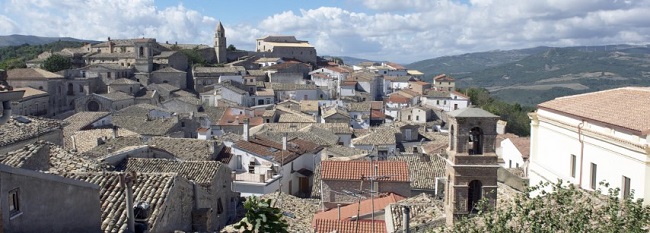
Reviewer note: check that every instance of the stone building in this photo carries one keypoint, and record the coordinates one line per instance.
(53, 84)
(38, 202)
(471, 162)
(339, 177)
(220, 205)
(33, 103)
(286, 47)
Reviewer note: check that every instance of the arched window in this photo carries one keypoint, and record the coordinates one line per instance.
(70, 89)
(141, 51)
(81, 88)
(474, 195)
(476, 141)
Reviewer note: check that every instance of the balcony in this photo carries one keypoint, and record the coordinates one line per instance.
(251, 184)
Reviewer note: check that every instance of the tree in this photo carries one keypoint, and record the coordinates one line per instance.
(56, 63)
(261, 217)
(565, 209)
(231, 47)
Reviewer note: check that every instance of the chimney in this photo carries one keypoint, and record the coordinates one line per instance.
(406, 218)
(338, 206)
(245, 131)
(74, 142)
(284, 142)
(114, 131)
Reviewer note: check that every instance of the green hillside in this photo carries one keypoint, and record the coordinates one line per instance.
(547, 72)
(16, 56)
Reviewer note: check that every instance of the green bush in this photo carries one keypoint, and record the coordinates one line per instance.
(565, 209)
(261, 217)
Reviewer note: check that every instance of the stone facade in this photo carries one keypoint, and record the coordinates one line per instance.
(471, 162)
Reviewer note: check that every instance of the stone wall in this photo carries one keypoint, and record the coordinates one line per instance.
(516, 182)
(48, 203)
(177, 212)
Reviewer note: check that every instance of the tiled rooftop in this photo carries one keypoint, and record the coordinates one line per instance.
(296, 118)
(24, 128)
(425, 167)
(443, 78)
(364, 208)
(152, 188)
(363, 226)
(31, 73)
(379, 136)
(427, 213)
(397, 171)
(202, 172)
(622, 107)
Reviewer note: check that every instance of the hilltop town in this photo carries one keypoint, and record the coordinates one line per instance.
(136, 137)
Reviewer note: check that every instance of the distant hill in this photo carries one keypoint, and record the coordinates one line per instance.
(532, 76)
(14, 40)
(351, 60)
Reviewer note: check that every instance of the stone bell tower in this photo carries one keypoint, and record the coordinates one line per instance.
(220, 44)
(471, 162)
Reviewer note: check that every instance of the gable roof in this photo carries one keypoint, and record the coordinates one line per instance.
(153, 188)
(202, 172)
(115, 96)
(522, 144)
(395, 171)
(20, 128)
(443, 78)
(380, 136)
(31, 73)
(625, 107)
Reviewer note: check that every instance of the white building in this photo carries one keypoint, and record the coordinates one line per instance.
(594, 137)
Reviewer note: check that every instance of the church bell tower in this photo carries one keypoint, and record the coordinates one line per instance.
(220, 44)
(472, 165)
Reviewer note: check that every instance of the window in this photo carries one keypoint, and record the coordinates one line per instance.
(239, 162)
(219, 206)
(14, 203)
(594, 170)
(573, 166)
(108, 74)
(251, 167)
(417, 118)
(509, 163)
(626, 187)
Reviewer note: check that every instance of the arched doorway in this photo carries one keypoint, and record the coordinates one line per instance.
(92, 106)
(476, 140)
(474, 195)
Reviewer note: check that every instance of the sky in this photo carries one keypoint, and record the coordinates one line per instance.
(401, 31)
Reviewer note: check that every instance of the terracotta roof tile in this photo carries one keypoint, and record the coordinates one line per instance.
(152, 188)
(365, 208)
(202, 172)
(396, 171)
(397, 98)
(364, 226)
(523, 145)
(443, 78)
(623, 107)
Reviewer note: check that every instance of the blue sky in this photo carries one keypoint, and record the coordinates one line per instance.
(402, 31)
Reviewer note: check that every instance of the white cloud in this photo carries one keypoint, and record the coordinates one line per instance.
(402, 31)
(98, 19)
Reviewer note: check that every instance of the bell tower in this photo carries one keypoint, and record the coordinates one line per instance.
(472, 165)
(220, 44)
